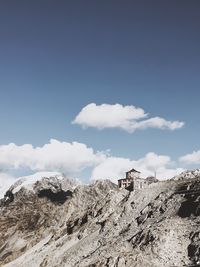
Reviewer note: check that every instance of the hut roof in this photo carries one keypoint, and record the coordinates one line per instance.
(133, 170)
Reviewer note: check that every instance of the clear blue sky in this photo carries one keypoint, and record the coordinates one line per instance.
(58, 56)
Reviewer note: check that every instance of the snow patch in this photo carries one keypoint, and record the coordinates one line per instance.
(28, 182)
(5, 182)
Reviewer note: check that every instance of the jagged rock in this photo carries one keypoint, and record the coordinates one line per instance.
(100, 225)
(188, 175)
(52, 185)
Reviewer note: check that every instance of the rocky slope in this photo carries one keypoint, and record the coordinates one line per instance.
(98, 225)
(188, 175)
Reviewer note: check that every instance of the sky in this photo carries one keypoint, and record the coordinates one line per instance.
(92, 88)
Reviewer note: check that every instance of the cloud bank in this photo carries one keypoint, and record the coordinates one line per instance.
(114, 168)
(73, 158)
(66, 157)
(127, 118)
(192, 158)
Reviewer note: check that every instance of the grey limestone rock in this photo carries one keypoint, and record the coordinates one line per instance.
(100, 225)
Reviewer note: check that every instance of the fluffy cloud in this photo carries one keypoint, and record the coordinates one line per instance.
(69, 158)
(72, 158)
(115, 167)
(193, 158)
(128, 118)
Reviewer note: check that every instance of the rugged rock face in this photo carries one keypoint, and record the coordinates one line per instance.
(188, 175)
(99, 225)
(52, 185)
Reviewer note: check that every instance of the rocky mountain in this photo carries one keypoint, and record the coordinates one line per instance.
(99, 225)
(53, 185)
(189, 174)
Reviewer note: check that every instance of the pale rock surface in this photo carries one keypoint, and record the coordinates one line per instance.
(100, 225)
(42, 180)
(189, 174)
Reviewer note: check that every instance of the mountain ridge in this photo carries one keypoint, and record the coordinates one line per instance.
(100, 225)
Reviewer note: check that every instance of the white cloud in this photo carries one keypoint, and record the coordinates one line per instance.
(158, 123)
(115, 167)
(67, 157)
(128, 118)
(73, 158)
(192, 158)
(112, 168)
